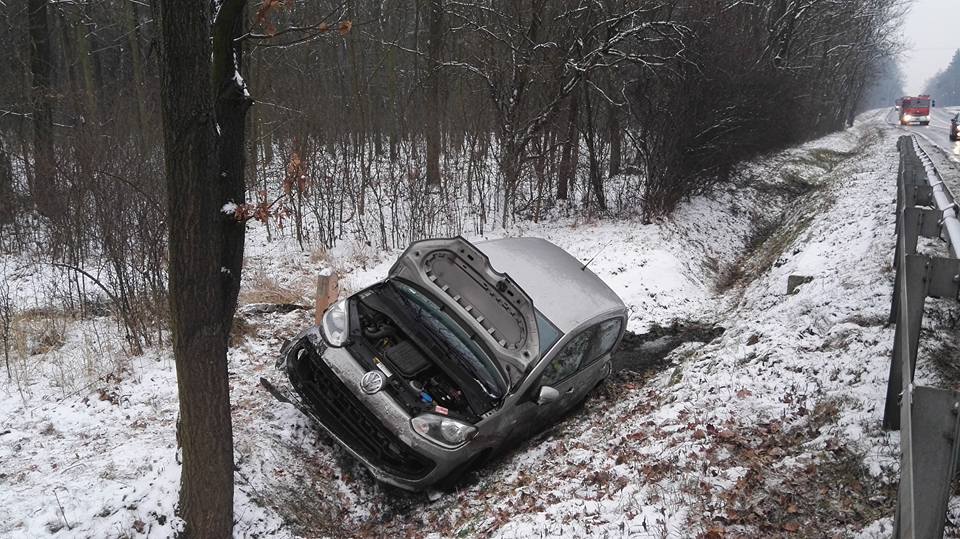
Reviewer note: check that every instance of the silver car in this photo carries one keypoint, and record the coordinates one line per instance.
(462, 350)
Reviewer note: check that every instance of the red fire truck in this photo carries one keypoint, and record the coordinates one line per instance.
(915, 110)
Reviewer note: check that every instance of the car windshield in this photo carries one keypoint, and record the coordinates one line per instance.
(453, 338)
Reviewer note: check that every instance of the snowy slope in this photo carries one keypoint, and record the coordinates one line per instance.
(772, 428)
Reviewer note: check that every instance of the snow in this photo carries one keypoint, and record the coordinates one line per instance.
(730, 429)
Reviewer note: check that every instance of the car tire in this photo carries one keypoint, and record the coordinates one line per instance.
(924, 123)
(454, 478)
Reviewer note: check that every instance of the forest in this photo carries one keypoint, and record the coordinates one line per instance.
(395, 121)
(388, 122)
(945, 85)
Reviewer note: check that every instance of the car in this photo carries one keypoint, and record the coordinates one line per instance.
(462, 351)
(955, 127)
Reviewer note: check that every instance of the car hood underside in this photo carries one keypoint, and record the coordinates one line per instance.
(496, 308)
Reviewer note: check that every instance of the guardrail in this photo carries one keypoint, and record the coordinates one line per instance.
(927, 417)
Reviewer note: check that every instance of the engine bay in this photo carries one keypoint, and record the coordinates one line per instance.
(416, 367)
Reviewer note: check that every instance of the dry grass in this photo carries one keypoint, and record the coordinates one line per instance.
(263, 288)
(242, 330)
(38, 331)
(54, 344)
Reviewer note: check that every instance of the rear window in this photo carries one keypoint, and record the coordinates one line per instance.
(609, 332)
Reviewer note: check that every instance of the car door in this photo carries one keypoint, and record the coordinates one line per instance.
(564, 374)
(582, 362)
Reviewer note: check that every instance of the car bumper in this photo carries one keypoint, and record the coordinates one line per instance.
(375, 429)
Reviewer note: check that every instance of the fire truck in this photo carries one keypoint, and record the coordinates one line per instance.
(915, 110)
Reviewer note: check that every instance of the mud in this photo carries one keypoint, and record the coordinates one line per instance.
(645, 352)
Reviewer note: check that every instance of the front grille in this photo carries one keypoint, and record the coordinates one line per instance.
(338, 409)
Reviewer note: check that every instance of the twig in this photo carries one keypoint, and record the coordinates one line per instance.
(62, 512)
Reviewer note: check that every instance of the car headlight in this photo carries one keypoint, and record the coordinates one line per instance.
(907, 117)
(334, 324)
(443, 430)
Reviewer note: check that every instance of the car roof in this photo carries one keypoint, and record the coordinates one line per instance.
(561, 288)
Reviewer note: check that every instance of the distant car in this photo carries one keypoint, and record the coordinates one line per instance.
(448, 360)
(955, 127)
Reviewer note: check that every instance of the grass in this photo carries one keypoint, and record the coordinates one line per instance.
(263, 288)
(770, 238)
(802, 191)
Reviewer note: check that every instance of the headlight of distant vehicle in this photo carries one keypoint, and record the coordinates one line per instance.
(335, 324)
(907, 117)
(443, 430)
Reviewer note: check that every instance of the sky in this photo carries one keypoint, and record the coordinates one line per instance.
(931, 34)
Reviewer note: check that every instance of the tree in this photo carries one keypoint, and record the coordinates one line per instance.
(44, 169)
(945, 85)
(204, 102)
(886, 86)
(434, 100)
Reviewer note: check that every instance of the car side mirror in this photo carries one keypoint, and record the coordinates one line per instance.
(547, 395)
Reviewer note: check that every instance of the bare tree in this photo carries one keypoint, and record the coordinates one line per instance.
(204, 102)
(44, 169)
(434, 85)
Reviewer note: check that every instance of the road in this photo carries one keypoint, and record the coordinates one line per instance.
(938, 130)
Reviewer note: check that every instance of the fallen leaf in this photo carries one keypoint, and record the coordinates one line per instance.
(715, 532)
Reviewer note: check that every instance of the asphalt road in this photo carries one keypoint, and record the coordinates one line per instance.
(938, 132)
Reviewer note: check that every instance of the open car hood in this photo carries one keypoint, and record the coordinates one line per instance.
(494, 306)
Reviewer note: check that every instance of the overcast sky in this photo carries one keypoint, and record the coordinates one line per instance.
(931, 35)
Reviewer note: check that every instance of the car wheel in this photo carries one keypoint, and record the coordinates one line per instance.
(924, 123)
(453, 478)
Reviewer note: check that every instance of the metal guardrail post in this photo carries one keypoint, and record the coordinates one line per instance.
(927, 417)
(928, 463)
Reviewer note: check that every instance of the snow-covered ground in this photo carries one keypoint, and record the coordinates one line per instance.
(772, 428)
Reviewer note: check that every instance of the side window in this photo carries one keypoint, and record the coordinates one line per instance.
(568, 360)
(609, 331)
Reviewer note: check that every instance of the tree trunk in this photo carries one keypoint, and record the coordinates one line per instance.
(434, 105)
(131, 23)
(593, 157)
(84, 40)
(8, 208)
(205, 245)
(232, 103)
(568, 157)
(616, 139)
(43, 181)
